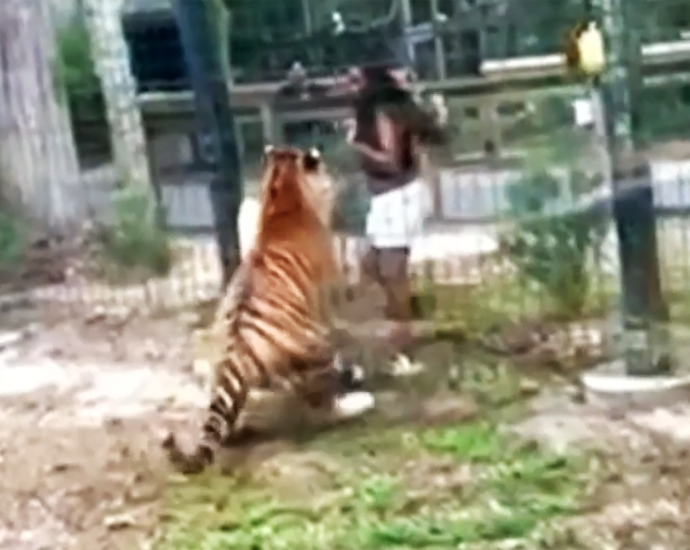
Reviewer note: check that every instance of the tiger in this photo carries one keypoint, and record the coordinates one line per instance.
(272, 321)
(320, 189)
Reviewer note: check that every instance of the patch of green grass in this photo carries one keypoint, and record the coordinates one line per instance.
(435, 488)
(12, 238)
(135, 246)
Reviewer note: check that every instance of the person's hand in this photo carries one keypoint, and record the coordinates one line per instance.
(401, 77)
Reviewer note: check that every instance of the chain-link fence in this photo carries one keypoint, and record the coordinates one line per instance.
(119, 179)
(107, 174)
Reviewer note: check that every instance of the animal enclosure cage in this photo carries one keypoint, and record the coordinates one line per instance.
(513, 193)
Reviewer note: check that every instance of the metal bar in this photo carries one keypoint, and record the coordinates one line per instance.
(406, 20)
(652, 54)
(661, 53)
(496, 74)
(176, 104)
(307, 14)
(216, 120)
(644, 313)
(439, 47)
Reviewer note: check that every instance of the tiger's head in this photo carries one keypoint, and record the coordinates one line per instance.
(296, 189)
(295, 179)
(320, 187)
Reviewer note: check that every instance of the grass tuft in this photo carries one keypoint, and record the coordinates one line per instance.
(433, 488)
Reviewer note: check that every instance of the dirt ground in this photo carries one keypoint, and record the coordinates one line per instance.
(84, 405)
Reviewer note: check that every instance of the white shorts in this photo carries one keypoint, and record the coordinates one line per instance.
(396, 218)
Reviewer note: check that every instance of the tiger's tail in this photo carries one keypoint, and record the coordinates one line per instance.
(227, 403)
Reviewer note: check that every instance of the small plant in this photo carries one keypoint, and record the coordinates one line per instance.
(77, 82)
(75, 71)
(12, 238)
(136, 239)
(551, 242)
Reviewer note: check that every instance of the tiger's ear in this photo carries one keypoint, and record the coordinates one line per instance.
(312, 160)
(268, 151)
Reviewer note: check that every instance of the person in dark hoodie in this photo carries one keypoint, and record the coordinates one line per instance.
(390, 133)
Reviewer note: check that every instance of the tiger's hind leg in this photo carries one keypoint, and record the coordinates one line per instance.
(219, 428)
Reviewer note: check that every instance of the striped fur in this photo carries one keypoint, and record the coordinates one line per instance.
(272, 320)
(321, 191)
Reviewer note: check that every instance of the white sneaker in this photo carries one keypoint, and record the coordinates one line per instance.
(402, 365)
(354, 404)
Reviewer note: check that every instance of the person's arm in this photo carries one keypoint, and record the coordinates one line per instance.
(386, 132)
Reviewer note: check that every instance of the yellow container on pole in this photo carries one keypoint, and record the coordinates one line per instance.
(584, 50)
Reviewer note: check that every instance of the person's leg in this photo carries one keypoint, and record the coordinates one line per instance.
(401, 303)
(396, 284)
(369, 266)
(386, 262)
(411, 209)
(395, 280)
(388, 269)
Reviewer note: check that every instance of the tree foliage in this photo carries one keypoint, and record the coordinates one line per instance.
(77, 82)
(265, 37)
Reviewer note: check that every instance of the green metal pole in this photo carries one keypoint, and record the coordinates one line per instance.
(200, 34)
(645, 315)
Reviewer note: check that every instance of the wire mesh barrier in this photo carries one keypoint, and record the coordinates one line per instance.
(547, 232)
(512, 191)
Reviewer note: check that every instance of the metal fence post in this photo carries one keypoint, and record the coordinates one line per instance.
(211, 98)
(644, 313)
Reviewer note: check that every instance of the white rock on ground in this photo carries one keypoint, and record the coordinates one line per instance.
(561, 425)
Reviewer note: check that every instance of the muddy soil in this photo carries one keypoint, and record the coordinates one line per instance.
(83, 406)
